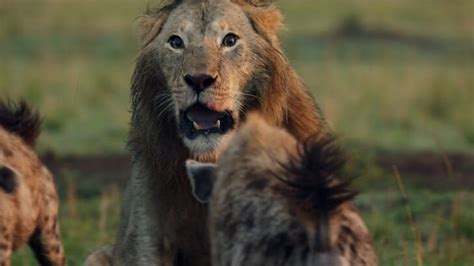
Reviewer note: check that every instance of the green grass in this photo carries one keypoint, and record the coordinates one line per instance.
(73, 60)
(443, 221)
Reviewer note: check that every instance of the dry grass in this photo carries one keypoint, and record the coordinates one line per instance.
(410, 218)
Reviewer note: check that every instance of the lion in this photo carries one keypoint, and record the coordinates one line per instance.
(28, 197)
(203, 65)
(276, 201)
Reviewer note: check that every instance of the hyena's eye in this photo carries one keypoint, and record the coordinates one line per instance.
(176, 42)
(230, 40)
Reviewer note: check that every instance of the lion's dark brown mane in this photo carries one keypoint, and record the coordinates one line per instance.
(155, 144)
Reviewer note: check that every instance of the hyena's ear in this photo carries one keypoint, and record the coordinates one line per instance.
(202, 177)
(7, 180)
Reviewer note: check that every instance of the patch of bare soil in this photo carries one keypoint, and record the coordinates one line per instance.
(430, 170)
(352, 27)
(433, 170)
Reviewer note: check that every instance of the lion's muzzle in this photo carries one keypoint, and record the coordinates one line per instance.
(200, 120)
(200, 82)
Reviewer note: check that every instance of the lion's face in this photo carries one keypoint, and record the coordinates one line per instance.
(207, 53)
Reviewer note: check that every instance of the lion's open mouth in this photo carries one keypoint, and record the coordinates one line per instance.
(199, 120)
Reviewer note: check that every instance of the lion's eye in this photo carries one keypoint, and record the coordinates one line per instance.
(176, 42)
(230, 40)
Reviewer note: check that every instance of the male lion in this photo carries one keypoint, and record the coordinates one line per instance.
(203, 65)
(274, 201)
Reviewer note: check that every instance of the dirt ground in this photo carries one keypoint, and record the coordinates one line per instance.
(427, 169)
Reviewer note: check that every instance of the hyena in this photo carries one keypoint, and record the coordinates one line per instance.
(28, 197)
(274, 201)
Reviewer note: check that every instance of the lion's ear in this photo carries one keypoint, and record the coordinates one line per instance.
(152, 21)
(149, 26)
(202, 177)
(266, 20)
(264, 15)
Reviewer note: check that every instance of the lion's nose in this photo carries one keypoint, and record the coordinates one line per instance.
(199, 82)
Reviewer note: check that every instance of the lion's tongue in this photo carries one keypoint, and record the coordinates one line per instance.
(203, 118)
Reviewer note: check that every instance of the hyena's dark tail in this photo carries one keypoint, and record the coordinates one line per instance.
(20, 119)
(312, 187)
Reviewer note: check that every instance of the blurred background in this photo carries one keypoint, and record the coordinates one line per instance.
(395, 79)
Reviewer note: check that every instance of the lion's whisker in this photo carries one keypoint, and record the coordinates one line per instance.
(251, 95)
(167, 105)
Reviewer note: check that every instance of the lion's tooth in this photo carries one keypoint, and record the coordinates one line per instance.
(218, 124)
(196, 126)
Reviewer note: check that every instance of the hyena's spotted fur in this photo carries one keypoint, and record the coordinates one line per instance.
(274, 201)
(28, 197)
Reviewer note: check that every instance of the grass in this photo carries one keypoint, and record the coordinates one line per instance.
(401, 80)
(444, 224)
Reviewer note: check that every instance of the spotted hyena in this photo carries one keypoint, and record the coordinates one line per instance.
(28, 198)
(274, 201)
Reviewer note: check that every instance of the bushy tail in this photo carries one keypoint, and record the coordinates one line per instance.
(312, 186)
(21, 120)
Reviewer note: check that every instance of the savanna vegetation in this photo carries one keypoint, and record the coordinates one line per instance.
(393, 77)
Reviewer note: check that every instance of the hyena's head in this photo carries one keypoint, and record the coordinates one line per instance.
(241, 190)
(265, 179)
